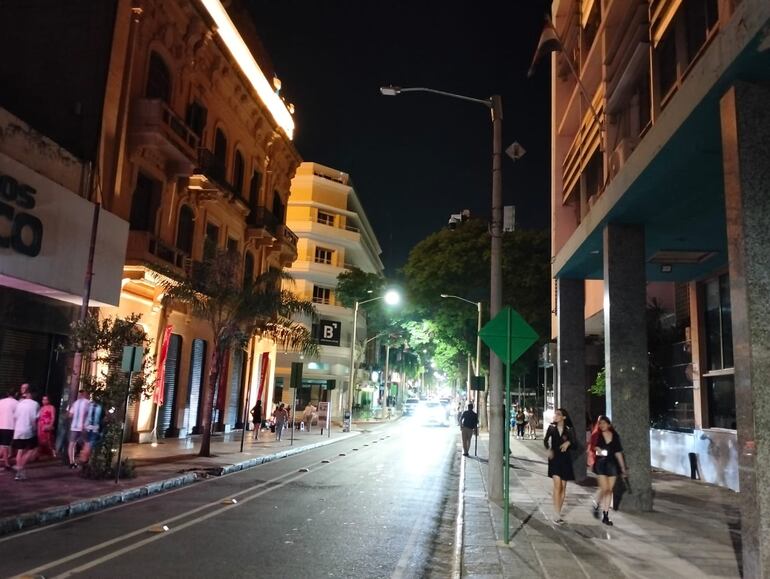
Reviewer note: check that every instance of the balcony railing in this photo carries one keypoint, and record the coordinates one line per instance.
(261, 217)
(151, 118)
(288, 236)
(214, 170)
(144, 247)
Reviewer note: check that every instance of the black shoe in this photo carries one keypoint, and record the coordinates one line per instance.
(595, 511)
(606, 519)
(466, 454)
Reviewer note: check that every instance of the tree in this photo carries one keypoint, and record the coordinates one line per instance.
(457, 262)
(102, 343)
(234, 312)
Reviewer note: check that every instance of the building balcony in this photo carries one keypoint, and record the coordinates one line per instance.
(144, 248)
(154, 125)
(286, 243)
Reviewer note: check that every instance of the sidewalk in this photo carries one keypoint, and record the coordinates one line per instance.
(54, 492)
(694, 530)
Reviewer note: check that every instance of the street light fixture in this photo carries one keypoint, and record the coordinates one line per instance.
(496, 426)
(392, 298)
(477, 367)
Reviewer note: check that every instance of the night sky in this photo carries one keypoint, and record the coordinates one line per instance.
(415, 158)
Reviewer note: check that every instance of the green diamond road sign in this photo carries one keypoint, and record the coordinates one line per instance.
(495, 334)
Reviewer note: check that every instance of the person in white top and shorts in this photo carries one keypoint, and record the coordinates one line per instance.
(78, 434)
(7, 406)
(25, 430)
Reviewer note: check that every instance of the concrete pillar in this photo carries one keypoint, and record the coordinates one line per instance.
(625, 354)
(745, 120)
(571, 391)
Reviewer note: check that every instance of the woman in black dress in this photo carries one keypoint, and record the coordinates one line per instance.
(607, 454)
(256, 418)
(559, 438)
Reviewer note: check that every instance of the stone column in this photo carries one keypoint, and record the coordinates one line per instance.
(625, 354)
(745, 119)
(571, 391)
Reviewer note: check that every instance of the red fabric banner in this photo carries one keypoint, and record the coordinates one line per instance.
(263, 372)
(158, 393)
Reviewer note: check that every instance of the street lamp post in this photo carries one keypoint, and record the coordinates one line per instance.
(391, 298)
(477, 365)
(496, 418)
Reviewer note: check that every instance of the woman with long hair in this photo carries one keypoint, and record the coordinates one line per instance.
(559, 438)
(607, 454)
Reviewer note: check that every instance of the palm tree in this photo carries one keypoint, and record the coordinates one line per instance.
(236, 311)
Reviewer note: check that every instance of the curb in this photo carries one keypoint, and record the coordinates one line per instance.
(24, 521)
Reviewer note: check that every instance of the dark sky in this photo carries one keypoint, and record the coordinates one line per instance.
(415, 158)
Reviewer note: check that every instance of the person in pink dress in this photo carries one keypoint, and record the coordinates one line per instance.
(46, 424)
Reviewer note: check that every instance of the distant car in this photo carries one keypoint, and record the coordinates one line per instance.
(410, 406)
(434, 412)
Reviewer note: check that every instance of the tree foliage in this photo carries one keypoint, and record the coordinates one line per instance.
(234, 312)
(102, 342)
(457, 262)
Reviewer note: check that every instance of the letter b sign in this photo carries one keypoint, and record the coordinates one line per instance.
(329, 333)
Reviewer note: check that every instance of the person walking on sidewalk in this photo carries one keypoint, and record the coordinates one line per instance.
(78, 435)
(256, 418)
(7, 406)
(281, 418)
(46, 423)
(607, 453)
(93, 429)
(521, 423)
(559, 439)
(469, 424)
(25, 431)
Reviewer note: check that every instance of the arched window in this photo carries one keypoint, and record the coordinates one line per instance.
(248, 269)
(185, 230)
(220, 147)
(239, 169)
(158, 79)
(145, 203)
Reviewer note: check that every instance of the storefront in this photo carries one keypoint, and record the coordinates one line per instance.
(45, 230)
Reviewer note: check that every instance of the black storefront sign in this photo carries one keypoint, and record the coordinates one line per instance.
(329, 333)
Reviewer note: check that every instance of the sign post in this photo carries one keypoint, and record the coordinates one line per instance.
(132, 362)
(508, 335)
(295, 382)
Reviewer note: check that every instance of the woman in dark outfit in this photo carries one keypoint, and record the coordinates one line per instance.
(559, 438)
(256, 418)
(607, 453)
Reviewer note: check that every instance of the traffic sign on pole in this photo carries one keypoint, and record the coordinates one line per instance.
(495, 335)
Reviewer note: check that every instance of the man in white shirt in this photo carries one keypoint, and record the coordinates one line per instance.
(25, 431)
(78, 413)
(7, 406)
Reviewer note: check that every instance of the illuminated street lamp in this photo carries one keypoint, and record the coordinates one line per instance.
(477, 368)
(392, 298)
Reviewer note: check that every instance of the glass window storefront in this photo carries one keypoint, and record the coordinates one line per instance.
(719, 379)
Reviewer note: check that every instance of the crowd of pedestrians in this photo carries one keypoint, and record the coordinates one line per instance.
(27, 430)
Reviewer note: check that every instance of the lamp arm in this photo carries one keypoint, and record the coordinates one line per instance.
(486, 102)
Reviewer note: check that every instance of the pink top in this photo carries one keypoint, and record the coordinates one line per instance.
(47, 418)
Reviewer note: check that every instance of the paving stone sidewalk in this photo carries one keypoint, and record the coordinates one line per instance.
(53, 491)
(693, 531)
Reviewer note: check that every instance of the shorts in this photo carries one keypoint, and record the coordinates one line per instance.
(78, 436)
(606, 466)
(25, 443)
(6, 436)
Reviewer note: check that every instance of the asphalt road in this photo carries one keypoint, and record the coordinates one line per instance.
(379, 505)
